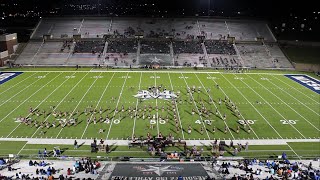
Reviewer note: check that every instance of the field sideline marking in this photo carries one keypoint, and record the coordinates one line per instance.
(174, 72)
(79, 103)
(135, 114)
(189, 142)
(271, 107)
(240, 113)
(296, 89)
(23, 101)
(182, 131)
(155, 85)
(254, 108)
(61, 101)
(287, 104)
(41, 103)
(205, 128)
(97, 104)
(117, 104)
(215, 106)
(18, 83)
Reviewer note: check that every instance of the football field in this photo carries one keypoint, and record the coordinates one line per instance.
(93, 104)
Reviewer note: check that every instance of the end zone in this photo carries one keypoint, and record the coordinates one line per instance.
(6, 76)
(306, 81)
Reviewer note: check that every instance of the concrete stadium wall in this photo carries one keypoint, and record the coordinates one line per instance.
(307, 67)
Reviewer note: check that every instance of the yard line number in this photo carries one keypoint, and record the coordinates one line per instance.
(152, 77)
(283, 121)
(125, 77)
(153, 121)
(69, 77)
(183, 77)
(241, 121)
(206, 121)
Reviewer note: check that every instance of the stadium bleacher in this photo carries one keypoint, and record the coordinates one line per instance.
(186, 42)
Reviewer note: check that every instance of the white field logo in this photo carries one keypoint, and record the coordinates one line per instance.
(312, 84)
(5, 76)
(156, 94)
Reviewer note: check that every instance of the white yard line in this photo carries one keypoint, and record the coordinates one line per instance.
(254, 107)
(25, 99)
(297, 90)
(20, 92)
(293, 151)
(178, 112)
(155, 85)
(117, 104)
(41, 103)
(271, 107)
(18, 83)
(240, 113)
(22, 148)
(105, 89)
(304, 104)
(135, 114)
(288, 104)
(84, 95)
(196, 106)
(62, 101)
(224, 121)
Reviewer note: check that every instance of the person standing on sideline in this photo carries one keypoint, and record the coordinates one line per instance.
(246, 146)
(75, 144)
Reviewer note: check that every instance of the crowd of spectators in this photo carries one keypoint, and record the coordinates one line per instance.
(269, 169)
(194, 47)
(224, 61)
(49, 171)
(66, 45)
(154, 47)
(219, 47)
(89, 47)
(125, 46)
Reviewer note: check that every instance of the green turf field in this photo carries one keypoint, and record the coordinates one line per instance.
(287, 109)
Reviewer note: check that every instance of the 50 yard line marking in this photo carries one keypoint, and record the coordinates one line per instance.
(271, 106)
(253, 107)
(23, 101)
(215, 107)
(240, 113)
(61, 101)
(117, 105)
(79, 102)
(155, 84)
(41, 103)
(97, 104)
(288, 104)
(177, 109)
(135, 114)
(196, 106)
(18, 83)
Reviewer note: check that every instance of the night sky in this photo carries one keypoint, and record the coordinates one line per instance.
(26, 13)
